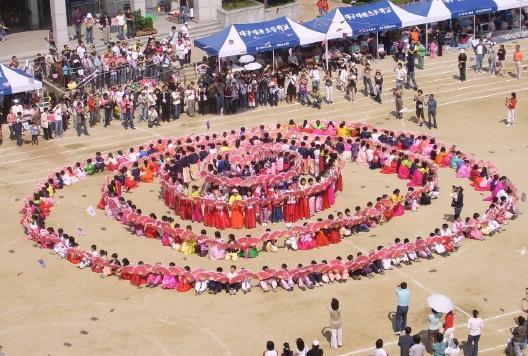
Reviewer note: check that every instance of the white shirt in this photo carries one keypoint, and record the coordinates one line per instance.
(120, 20)
(380, 352)
(452, 352)
(400, 74)
(314, 74)
(474, 326)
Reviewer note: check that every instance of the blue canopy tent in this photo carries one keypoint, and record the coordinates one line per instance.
(432, 11)
(460, 8)
(379, 16)
(252, 38)
(13, 81)
(333, 24)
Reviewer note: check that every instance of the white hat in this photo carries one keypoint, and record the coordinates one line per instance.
(89, 15)
(15, 101)
(235, 190)
(462, 50)
(315, 343)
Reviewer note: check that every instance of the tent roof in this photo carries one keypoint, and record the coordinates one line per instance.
(460, 8)
(14, 81)
(432, 10)
(239, 39)
(332, 23)
(378, 16)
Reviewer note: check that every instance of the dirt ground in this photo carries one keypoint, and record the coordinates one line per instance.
(59, 310)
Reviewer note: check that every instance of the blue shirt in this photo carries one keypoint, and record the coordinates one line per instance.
(403, 297)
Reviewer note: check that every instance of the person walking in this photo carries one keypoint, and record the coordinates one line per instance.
(492, 58)
(474, 326)
(402, 296)
(517, 61)
(462, 61)
(400, 74)
(367, 80)
(431, 111)
(511, 103)
(405, 342)
(378, 85)
(398, 99)
(411, 76)
(45, 124)
(336, 324)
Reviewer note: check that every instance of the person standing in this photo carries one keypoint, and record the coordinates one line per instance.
(457, 201)
(44, 123)
(519, 336)
(405, 342)
(336, 324)
(474, 326)
(315, 350)
(501, 58)
(77, 21)
(367, 80)
(379, 351)
(400, 74)
(17, 129)
(398, 99)
(329, 88)
(130, 24)
(402, 295)
(511, 103)
(378, 85)
(480, 50)
(120, 19)
(89, 23)
(434, 325)
(462, 60)
(417, 349)
(419, 99)
(431, 111)
(517, 61)
(270, 349)
(492, 58)
(106, 23)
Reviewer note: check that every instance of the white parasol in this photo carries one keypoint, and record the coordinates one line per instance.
(253, 66)
(246, 58)
(440, 303)
(236, 68)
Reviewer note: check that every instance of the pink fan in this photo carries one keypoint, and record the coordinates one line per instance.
(263, 275)
(220, 278)
(282, 274)
(175, 270)
(238, 278)
(161, 270)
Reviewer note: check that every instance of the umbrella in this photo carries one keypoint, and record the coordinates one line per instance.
(247, 58)
(236, 68)
(253, 66)
(440, 303)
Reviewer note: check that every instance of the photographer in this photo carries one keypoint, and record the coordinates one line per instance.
(518, 341)
(457, 201)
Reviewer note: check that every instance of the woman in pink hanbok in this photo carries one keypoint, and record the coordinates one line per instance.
(217, 249)
(169, 281)
(474, 228)
(306, 241)
(463, 170)
(362, 154)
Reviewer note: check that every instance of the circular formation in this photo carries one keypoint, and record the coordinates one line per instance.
(414, 158)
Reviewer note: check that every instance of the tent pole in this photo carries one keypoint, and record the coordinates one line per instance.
(219, 68)
(377, 44)
(326, 54)
(520, 18)
(426, 37)
(474, 26)
(273, 59)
